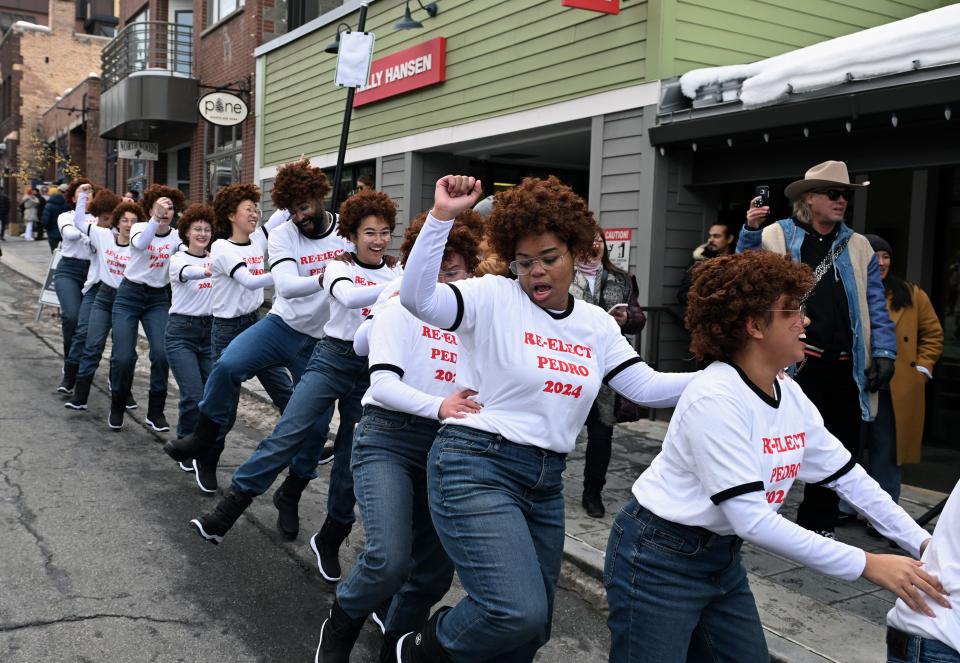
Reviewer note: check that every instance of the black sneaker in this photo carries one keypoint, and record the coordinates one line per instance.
(593, 504)
(155, 418)
(68, 379)
(206, 476)
(81, 394)
(131, 403)
(186, 467)
(287, 500)
(846, 518)
(214, 526)
(326, 455)
(825, 533)
(326, 546)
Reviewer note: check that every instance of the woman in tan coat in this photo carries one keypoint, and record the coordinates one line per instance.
(895, 437)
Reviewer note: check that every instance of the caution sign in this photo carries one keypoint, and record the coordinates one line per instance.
(618, 246)
(48, 295)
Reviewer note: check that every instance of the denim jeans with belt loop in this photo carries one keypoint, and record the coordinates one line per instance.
(138, 303)
(99, 324)
(678, 593)
(402, 555)
(498, 509)
(190, 354)
(83, 319)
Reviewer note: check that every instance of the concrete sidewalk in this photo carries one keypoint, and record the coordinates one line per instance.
(808, 617)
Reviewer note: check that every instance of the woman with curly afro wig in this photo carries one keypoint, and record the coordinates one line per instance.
(144, 298)
(412, 386)
(741, 434)
(537, 358)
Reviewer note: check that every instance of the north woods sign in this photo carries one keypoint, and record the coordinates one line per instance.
(404, 71)
(222, 108)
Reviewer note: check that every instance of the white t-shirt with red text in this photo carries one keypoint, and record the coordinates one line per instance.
(941, 559)
(190, 296)
(151, 265)
(111, 259)
(728, 438)
(423, 356)
(343, 322)
(537, 372)
(309, 314)
(77, 247)
(230, 298)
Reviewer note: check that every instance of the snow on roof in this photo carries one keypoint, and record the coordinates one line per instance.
(926, 40)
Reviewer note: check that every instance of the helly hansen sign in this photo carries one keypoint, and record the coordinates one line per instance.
(407, 70)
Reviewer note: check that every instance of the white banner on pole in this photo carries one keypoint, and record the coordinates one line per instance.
(354, 58)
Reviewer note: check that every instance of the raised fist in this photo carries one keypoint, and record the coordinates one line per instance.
(454, 194)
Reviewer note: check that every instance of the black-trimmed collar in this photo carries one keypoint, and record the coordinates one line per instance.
(166, 234)
(187, 251)
(562, 314)
(761, 394)
(247, 243)
(331, 224)
(366, 265)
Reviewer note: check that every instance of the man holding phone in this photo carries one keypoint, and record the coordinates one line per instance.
(850, 342)
(721, 241)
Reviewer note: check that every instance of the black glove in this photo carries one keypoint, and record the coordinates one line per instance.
(879, 374)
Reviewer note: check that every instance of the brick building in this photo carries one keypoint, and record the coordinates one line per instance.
(71, 127)
(37, 63)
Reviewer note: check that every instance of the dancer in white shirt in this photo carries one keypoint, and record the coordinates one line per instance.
(740, 436)
(188, 345)
(413, 369)
(144, 298)
(537, 360)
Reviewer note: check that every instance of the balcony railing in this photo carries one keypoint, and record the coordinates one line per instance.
(148, 46)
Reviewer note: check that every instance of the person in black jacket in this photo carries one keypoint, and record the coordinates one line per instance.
(55, 206)
(4, 214)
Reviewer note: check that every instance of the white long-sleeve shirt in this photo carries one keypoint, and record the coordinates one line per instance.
(537, 371)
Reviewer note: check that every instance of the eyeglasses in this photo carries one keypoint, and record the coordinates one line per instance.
(799, 312)
(548, 262)
(834, 194)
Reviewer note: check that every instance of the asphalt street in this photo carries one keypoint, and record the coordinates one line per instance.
(97, 562)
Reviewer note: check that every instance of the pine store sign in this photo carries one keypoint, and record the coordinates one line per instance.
(223, 108)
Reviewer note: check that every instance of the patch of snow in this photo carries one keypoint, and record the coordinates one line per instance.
(926, 40)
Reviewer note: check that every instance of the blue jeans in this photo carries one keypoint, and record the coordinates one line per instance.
(138, 303)
(880, 445)
(402, 554)
(498, 509)
(68, 282)
(80, 332)
(98, 328)
(191, 356)
(906, 648)
(678, 593)
(335, 373)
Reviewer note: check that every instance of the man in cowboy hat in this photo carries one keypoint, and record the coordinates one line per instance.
(850, 341)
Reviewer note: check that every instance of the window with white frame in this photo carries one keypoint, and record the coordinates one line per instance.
(217, 10)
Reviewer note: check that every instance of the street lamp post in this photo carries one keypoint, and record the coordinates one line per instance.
(345, 129)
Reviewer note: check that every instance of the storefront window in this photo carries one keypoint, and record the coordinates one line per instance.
(350, 176)
(223, 153)
(135, 174)
(219, 9)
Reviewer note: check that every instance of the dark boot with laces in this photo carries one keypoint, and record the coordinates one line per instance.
(155, 418)
(214, 526)
(326, 546)
(337, 636)
(287, 501)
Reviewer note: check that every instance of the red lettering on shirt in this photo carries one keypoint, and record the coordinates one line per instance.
(773, 445)
(562, 366)
(784, 472)
(558, 345)
(438, 335)
(443, 355)
(319, 257)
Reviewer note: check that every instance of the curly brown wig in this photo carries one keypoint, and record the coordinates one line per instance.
(122, 209)
(75, 183)
(361, 205)
(728, 290)
(193, 214)
(155, 192)
(464, 238)
(227, 201)
(104, 202)
(298, 182)
(538, 206)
